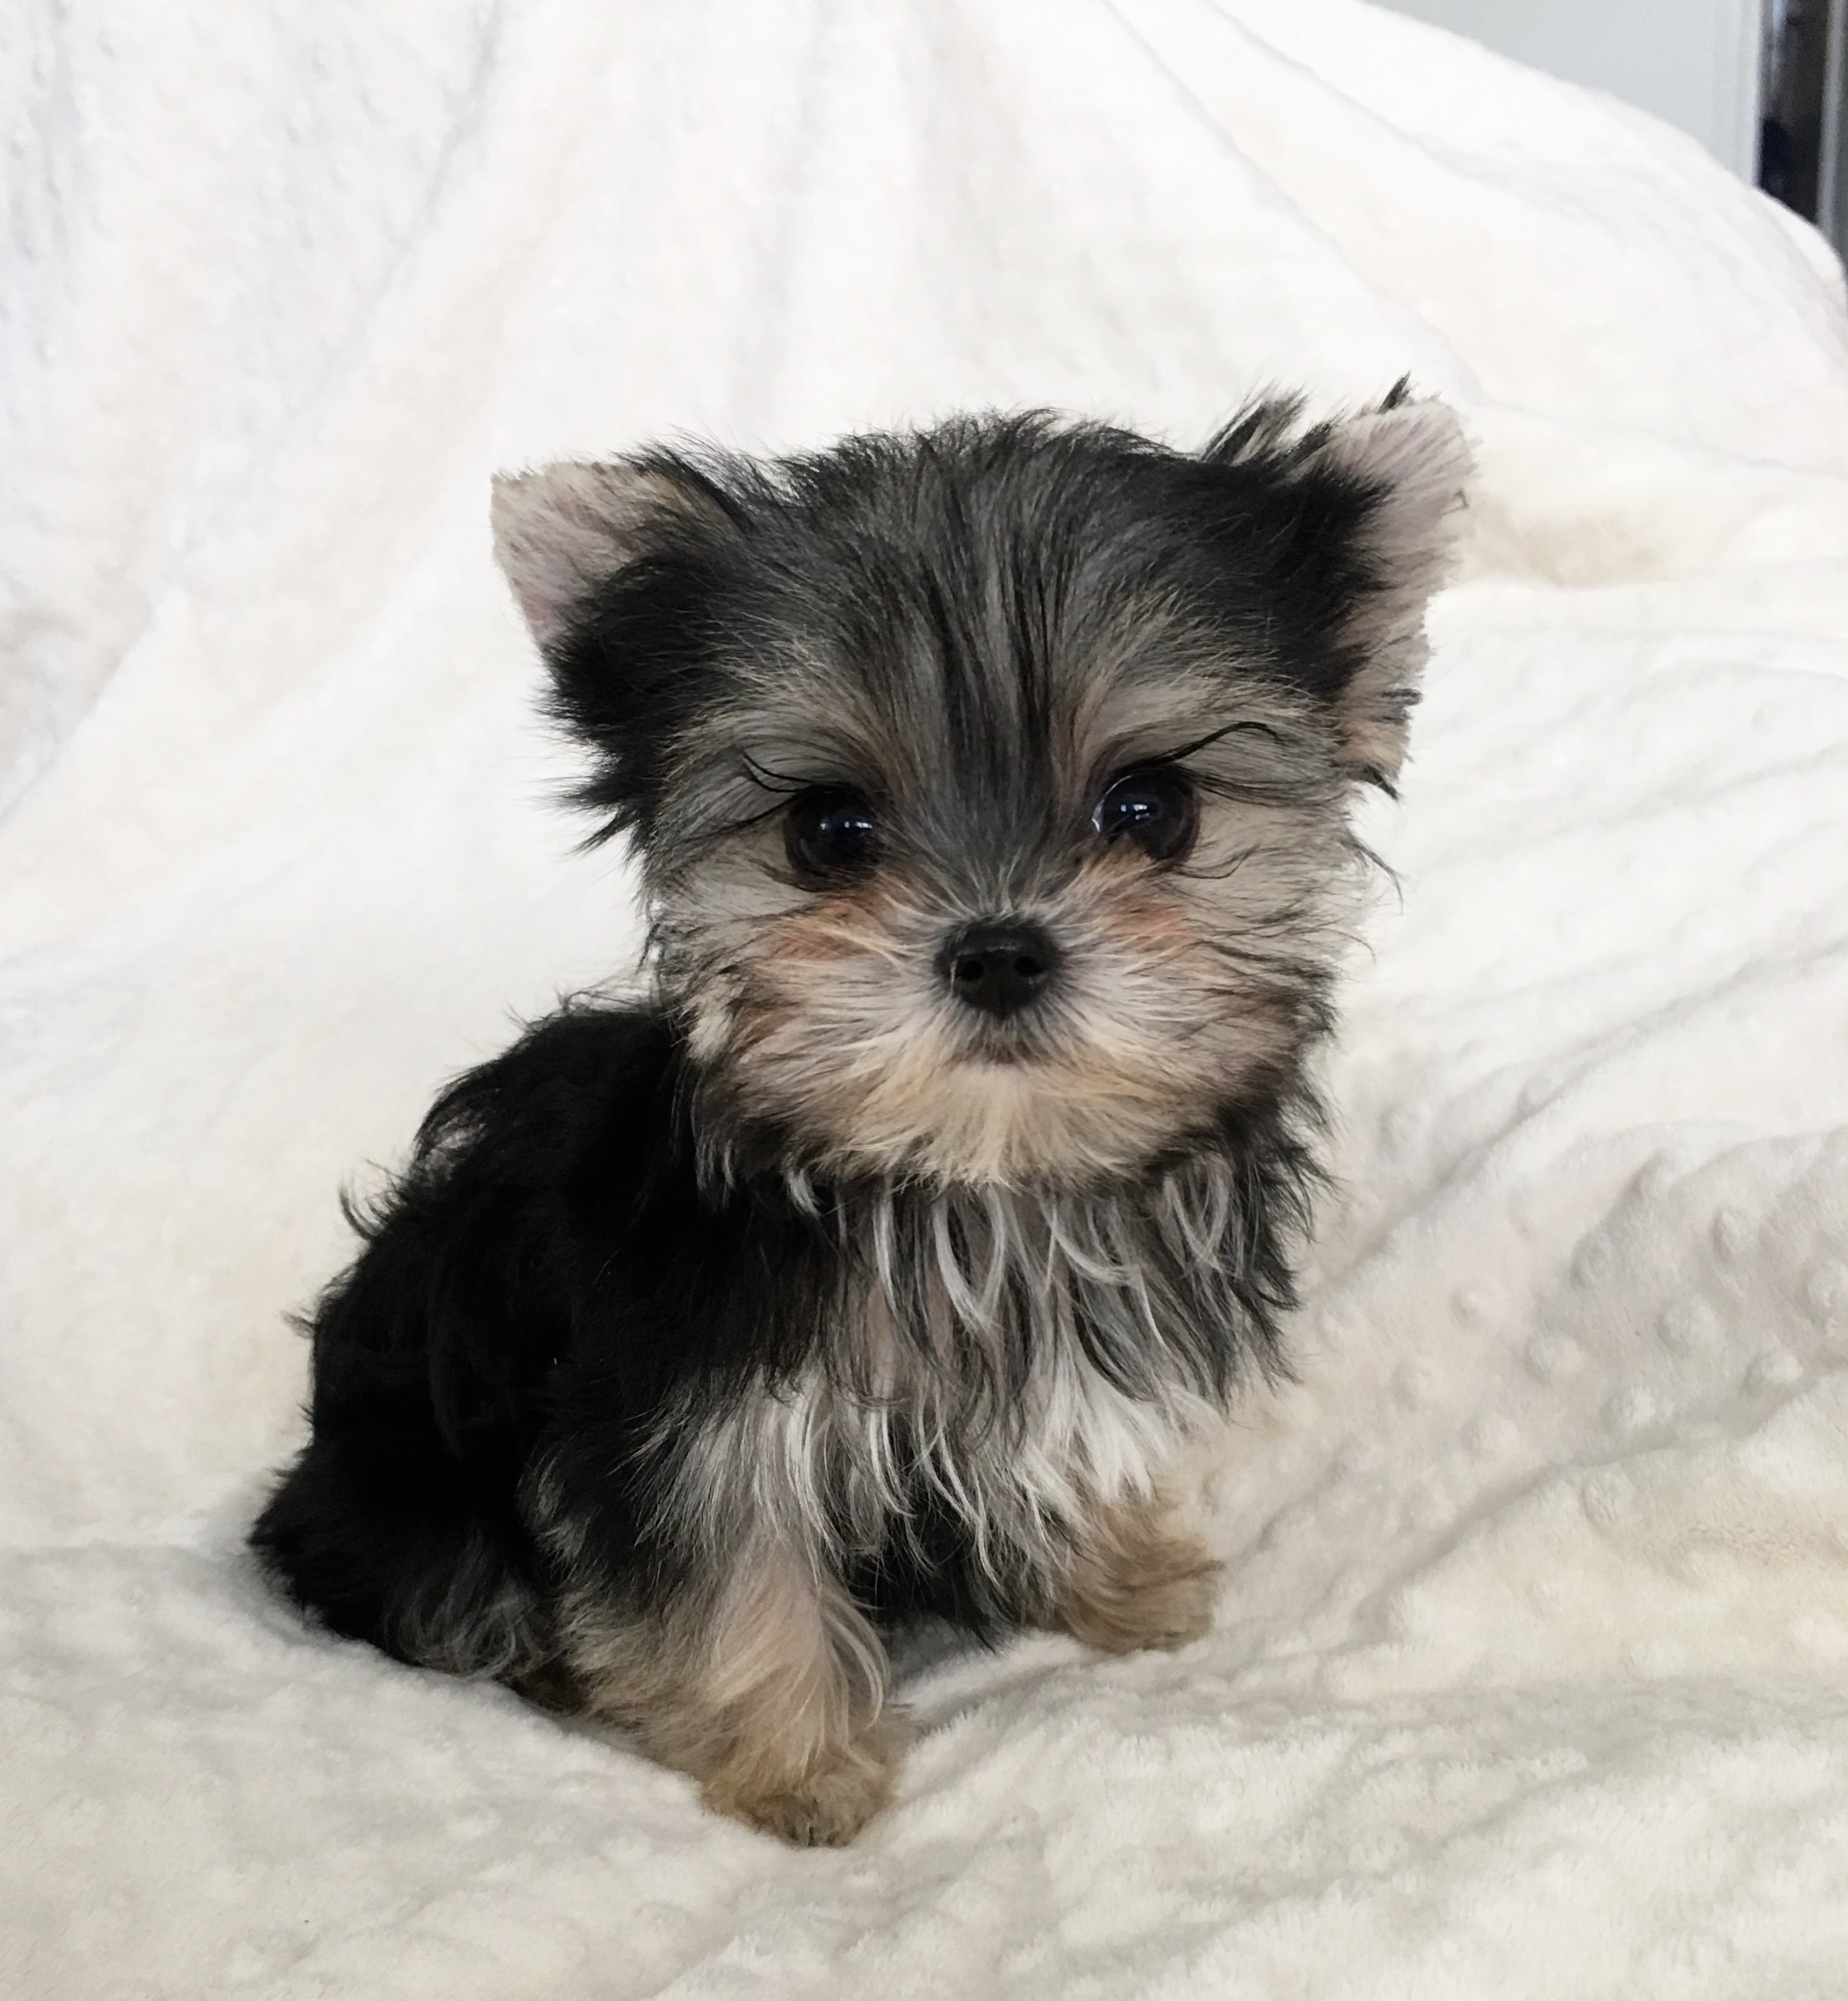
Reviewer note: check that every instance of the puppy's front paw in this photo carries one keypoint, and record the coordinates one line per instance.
(1148, 1589)
(1165, 1612)
(824, 1808)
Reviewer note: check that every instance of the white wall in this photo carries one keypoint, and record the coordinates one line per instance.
(1694, 62)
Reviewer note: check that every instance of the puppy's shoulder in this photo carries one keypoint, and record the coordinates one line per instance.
(592, 1078)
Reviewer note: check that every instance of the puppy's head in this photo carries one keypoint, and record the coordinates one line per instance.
(990, 783)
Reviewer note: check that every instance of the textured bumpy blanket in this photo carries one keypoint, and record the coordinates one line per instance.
(1530, 1674)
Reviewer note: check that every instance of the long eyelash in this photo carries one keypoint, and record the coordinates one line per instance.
(1165, 757)
(773, 781)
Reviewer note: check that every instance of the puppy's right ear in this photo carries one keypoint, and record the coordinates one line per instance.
(562, 531)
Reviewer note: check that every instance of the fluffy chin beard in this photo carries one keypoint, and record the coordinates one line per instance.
(916, 1094)
(976, 1122)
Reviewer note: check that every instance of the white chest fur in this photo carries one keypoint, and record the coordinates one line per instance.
(1016, 1360)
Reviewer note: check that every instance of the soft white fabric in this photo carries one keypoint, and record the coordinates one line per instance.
(1531, 1674)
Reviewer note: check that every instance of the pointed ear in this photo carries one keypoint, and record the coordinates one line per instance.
(1372, 504)
(1410, 462)
(562, 530)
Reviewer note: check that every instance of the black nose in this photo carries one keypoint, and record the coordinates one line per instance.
(999, 966)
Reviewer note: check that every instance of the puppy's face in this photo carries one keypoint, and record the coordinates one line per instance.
(991, 784)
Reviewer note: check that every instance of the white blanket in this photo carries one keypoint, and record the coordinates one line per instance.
(1531, 1672)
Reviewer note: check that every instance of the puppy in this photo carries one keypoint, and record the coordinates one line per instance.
(991, 788)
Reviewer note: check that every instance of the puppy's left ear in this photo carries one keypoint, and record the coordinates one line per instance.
(563, 531)
(1375, 506)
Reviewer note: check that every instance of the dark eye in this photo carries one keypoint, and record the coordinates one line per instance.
(831, 833)
(1154, 808)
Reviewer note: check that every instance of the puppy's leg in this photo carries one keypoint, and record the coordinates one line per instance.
(378, 1529)
(1135, 1581)
(766, 1683)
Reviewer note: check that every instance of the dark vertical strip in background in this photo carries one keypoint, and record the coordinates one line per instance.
(1832, 179)
(1805, 126)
